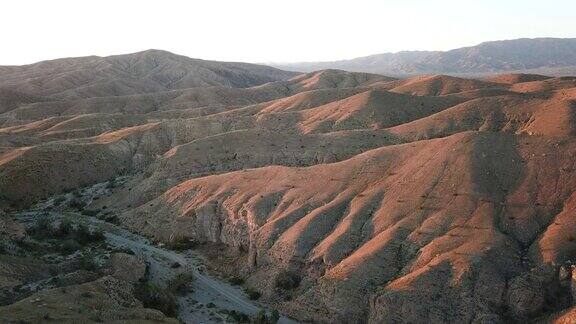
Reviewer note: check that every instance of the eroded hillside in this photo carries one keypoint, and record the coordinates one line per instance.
(341, 197)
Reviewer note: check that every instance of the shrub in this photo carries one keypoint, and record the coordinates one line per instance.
(287, 280)
(111, 184)
(112, 219)
(260, 318)
(76, 203)
(210, 305)
(122, 250)
(58, 200)
(181, 243)
(66, 227)
(154, 297)
(236, 280)
(88, 263)
(44, 224)
(70, 246)
(84, 235)
(97, 236)
(274, 317)
(238, 317)
(181, 283)
(253, 294)
(90, 212)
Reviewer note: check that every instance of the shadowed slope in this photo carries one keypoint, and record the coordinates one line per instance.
(438, 85)
(455, 200)
(513, 114)
(517, 78)
(371, 109)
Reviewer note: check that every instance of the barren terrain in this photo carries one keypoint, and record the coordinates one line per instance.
(339, 197)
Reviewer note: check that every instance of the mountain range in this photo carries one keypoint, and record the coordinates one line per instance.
(549, 56)
(333, 196)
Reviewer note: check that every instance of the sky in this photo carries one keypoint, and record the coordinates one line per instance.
(263, 31)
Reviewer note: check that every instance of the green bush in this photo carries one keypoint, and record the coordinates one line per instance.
(70, 246)
(181, 243)
(76, 203)
(88, 263)
(154, 297)
(84, 235)
(181, 283)
(287, 280)
(58, 200)
(90, 212)
(236, 280)
(122, 250)
(112, 219)
(238, 317)
(253, 294)
(260, 318)
(66, 227)
(274, 317)
(44, 224)
(111, 184)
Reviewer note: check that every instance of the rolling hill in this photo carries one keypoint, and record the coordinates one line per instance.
(341, 197)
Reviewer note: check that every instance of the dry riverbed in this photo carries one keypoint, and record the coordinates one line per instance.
(207, 300)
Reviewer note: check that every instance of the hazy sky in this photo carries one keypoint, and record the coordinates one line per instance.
(267, 30)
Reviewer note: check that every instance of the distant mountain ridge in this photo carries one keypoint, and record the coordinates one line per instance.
(136, 73)
(553, 56)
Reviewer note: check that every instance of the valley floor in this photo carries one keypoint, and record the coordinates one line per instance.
(209, 301)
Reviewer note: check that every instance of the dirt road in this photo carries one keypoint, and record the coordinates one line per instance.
(206, 289)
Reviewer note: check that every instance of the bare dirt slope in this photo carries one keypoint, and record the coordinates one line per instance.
(340, 197)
